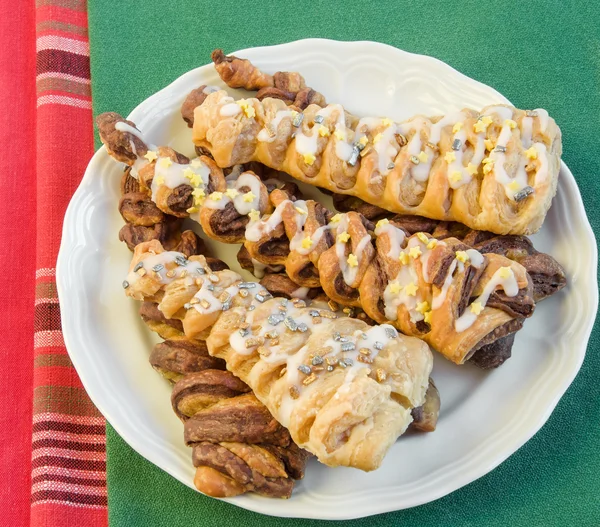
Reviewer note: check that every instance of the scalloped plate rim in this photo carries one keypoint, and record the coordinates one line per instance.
(368, 507)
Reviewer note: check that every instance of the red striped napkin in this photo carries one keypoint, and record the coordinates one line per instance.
(68, 478)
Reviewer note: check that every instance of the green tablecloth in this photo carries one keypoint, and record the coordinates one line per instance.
(537, 54)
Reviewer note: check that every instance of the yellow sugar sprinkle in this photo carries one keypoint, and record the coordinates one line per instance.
(450, 157)
(403, 257)
(254, 215)
(352, 260)
(232, 193)
(363, 140)
(159, 180)
(415, 252)
(377, 138)
(199, 196)
(151, 155)
(422, 307)
(456, 176)
(395, 288)
(488, 168)
(309, 158)
(510, 123)
(514, 186)
(192, 210)
(336, 219)
(487, 160)
(457, 127)
(462, 256)
(489, 145)
(427, 317)
(479, 127)
(196, 162)
(248, 108)
(343, 237)
(324, 131)
(423, 157)
(476, 308)
(216, 196)
(249, 197)
(531, 153)
(432, 243)
(341, 136)
(487, 120)
(423, 237)
(382, 222)
(188, 173)
(307, 243)
(471, 169)
(411, 289)
(505, 272)
(387, 122)
(301, 211)
(165, 162)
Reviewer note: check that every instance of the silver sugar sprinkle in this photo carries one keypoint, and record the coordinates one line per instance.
(138, 267)
(251, 307)
(354, 156)
(244, 332)
(348, 346)
(313, 313)
(348, 362)
(531, 113)
(275, 319)
(298, 120)
(180, 260)
(330, 368)
(304, 369)
(290, 323)
(378, 346)
(302, 327)
(456, 144)
(391, 333)
(319, 119)
(317, 360)
(158, 267)
(391, 165)
(337, 336)
(500, 148)
(523, 193)
(364, 336)
(414, 160)
(125, 284)
(210, 287)
(246, 285)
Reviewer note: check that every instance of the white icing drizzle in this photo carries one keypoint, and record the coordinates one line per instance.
(510, 287)
(301, 292)
(259, 268)
(543, 117)
(127, 128)
(392, 301)
(243, 207)
(438, 299)
(349, 272)
(395, 235)
(210, 89)
(541, 174)
(264, 226)
(161, 260)
(173, 175)
(229, 108)
(419, 172)
(269, 132)
(526, 131)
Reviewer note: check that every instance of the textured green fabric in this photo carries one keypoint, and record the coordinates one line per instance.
(537, 54)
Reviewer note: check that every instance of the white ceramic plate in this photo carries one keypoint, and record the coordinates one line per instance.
(485, 417)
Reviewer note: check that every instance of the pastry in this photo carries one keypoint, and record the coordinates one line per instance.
(343, 389)
(339, 254)
(494, 170)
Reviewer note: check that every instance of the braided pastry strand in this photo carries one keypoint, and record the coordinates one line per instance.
(496, 170)
(302, 232)
(349, 389)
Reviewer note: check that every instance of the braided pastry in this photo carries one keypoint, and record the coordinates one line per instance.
(338, 253)
(496, 170)
(344, 390)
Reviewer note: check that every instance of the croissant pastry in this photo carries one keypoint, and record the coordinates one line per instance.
(493, 170)
(344, 390)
